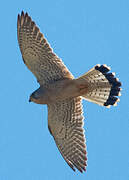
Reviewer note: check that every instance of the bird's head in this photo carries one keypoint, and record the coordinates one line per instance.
(37, 96)
(34, 98)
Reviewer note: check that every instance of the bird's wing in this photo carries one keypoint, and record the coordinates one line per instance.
(65, 122)
(37, 54)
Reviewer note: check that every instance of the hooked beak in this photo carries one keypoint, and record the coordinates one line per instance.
(30, 99)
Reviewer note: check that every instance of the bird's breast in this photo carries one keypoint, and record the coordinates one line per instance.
(61, 90)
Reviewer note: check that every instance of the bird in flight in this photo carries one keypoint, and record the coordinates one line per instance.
(62, 92)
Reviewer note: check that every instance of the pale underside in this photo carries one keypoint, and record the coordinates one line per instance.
(65, 119)
(37, 53)
(65, 122)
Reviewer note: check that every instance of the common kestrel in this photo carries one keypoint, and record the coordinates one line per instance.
(62, 93)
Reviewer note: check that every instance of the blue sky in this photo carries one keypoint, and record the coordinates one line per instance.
(82, 33)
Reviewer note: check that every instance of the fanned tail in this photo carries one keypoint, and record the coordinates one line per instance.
(103, 86)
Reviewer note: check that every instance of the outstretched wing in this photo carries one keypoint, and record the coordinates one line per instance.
(37, 54)
(65, 122)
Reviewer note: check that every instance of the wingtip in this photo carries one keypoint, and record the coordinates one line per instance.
(82, 169)
(18, 23)
(26, 15)
(18, 19)
(22, 13)
(18, 16)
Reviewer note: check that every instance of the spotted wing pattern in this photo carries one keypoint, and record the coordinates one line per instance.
(37, 54)
(65, 122)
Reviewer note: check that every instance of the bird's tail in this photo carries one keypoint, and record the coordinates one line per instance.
(102, 86)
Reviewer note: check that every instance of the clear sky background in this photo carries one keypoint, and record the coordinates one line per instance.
(82, 33)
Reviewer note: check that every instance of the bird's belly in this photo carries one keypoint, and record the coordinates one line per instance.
(62, 90)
